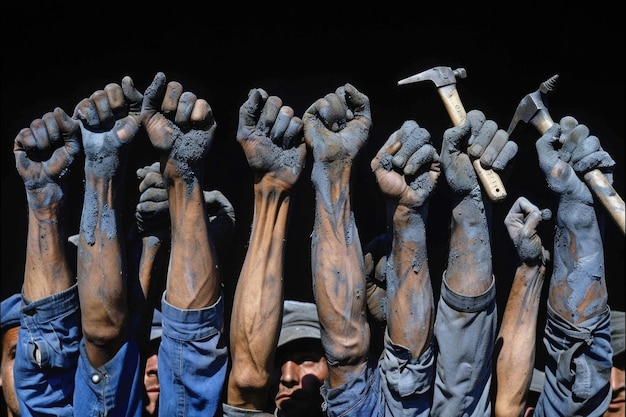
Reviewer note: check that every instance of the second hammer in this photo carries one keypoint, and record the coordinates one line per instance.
(445, 81)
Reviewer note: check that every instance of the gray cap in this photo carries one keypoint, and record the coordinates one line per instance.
(617, 331)
(617, 343)
(10, 311)
(300, 321)
(156, 331)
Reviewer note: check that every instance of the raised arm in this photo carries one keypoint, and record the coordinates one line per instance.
(466, 322)
(515, 345)
(271, 138)
(109, 122)
(577, 334)
(407, 170)
(192, 355)
(45, 153)
(336, 127)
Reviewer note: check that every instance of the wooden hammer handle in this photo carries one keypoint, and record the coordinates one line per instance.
(595, 179)
(602, 188)
(490, 180)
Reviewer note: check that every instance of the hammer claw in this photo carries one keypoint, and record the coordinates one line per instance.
(532, 109)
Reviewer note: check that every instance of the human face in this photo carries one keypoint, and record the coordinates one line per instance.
(9, 344)
(617, 406)
(151, 385)
(303, 369)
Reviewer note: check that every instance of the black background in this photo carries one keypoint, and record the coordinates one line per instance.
(56, 53)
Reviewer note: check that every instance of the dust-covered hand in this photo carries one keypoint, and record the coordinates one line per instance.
(180, 126)
(221, 218)
(407, 166)
(521, 222)
(567, 148)
(271, 138)
(483, 140)
(336, 127)
(44, 153)
(109, 121)
(152, 211)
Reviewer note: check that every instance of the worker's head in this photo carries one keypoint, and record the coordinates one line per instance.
(300, 361)
(151, 374)
(10, 311)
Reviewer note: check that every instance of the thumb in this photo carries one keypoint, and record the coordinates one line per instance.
(152, 97)
(132, 95)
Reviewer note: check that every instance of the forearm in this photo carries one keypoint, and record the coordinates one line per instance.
(409, 290)
(101, 268)
(578, 288)
(516, 341)
(469, 271)
(193, 280)
(339, 278)
(258, 301)
(47, 270)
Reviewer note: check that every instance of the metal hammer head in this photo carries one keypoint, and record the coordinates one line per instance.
(533, 103)
(441, 76)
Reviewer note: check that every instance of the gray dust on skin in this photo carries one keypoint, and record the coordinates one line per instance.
(187, 153)
(586, 272)
(103, 163)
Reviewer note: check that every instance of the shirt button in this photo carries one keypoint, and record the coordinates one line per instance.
(95, 378)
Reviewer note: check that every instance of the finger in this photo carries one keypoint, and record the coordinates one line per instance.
(87, 113)
(493, 148)
(571, 139)
(281, 124)
(332, 112)
(63, 157)
(408, 137)
(52, 128)
(293, 135)
(154, 167)
(133, 97)
(268, 116)
(250, 109)
(170, 101)
(25, 140)
(151, 180)
(313, 123)
(155, 195)
(423, 157)
(505, 156)
(568, 123)
(358, 102)
(481, 138)
(69, 128)
(41, 142)
(202, 115)
(153, 95)
(115, 95)
(149, 209)
(452, 138)
(105, 115)
(476, 119)
(184, 109)
(547, 142)
(586, 146)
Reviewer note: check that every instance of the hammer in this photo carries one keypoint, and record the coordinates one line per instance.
(445, 81)
(533, 110)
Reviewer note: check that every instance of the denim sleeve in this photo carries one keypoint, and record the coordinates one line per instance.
(193, 359)
(578, 367)
(465, 331)
(47, 354)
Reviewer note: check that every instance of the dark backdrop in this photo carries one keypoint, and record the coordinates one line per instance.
(55, 53)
